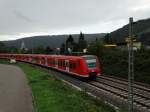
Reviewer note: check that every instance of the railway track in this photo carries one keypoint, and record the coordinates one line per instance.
(114, 90)
(120, 88)
(110, 89)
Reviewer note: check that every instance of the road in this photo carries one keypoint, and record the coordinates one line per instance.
(15, 94)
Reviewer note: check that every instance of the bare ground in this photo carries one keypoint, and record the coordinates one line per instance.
(15, 94)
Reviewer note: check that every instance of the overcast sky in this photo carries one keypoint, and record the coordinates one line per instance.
(21, 18)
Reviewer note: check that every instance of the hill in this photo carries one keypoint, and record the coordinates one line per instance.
(141, 30)
(52, 41)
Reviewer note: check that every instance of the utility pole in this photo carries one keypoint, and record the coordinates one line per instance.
(130, 66)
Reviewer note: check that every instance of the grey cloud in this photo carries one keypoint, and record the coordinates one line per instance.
(27, 16)
(21, 16)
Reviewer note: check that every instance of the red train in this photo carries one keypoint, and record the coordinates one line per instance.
(83, 66)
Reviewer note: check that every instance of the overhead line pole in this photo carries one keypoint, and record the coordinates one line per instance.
(130, 66)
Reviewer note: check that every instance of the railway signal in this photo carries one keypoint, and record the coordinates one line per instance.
(130, 66)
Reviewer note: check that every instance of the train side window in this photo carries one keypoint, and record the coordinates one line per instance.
(56, 61)
(50, 61)
(66, 64)
(59, 63)
(63, 63)
(70, 65)
(74, 65)
(53, 62)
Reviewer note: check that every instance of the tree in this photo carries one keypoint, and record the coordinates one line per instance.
(96, 39)
(76, 47)
(96, 48)
(107, 39)
(62, 48)
(70, 39)
(39, 50)
(2, 47)
(48, 50)
(82, 42)
(69, 43)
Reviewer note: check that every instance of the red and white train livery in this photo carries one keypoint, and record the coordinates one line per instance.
(83, 66)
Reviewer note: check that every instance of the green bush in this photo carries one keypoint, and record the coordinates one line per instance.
(115, 62)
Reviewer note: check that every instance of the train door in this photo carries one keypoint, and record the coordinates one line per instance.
(67, 65)
(30, 59)
(46, 61)
(56, 62)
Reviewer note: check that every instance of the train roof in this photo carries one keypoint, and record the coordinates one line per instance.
(46, 55)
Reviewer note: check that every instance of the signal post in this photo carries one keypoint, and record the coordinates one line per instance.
(130, 66)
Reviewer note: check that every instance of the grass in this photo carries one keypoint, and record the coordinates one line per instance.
(2, 61)
(52, 95)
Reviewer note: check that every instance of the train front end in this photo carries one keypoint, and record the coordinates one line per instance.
(92, 65)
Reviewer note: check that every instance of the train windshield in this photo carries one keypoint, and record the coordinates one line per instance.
(91, 61)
